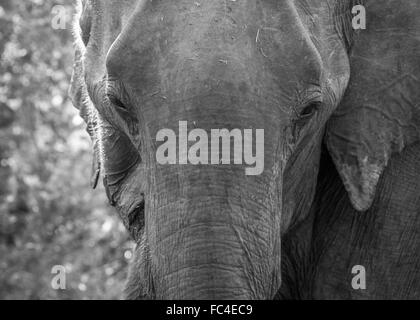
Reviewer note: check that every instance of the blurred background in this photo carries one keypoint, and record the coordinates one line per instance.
(48, 213)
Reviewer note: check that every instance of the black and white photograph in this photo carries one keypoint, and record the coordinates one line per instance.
(209, 150)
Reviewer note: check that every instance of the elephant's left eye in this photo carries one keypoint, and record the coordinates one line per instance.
(117, 103)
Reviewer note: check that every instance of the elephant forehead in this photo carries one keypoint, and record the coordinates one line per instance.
(275, 27)
(96, 25)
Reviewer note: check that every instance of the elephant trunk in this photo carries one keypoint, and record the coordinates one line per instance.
(214, 240)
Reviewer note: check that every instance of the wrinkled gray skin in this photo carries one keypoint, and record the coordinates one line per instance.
(295, 69)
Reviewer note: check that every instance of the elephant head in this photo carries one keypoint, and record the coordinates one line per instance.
(296, 69)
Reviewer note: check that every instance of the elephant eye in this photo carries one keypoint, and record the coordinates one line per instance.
(309, 110)
(115, 95)
(303, 118)
(116, 102)
(117, 105)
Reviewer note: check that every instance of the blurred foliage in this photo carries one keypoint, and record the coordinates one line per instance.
(48, 213)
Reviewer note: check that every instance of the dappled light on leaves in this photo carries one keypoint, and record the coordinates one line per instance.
(48, 214)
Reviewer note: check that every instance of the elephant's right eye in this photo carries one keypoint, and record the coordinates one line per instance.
(309, 111)
(303, 118)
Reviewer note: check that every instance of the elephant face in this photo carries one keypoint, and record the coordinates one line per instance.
(211, 231)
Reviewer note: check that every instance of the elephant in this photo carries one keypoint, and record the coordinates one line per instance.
(340, 110)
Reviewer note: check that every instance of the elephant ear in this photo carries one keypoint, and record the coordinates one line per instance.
(80, 98)
(380, 112)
